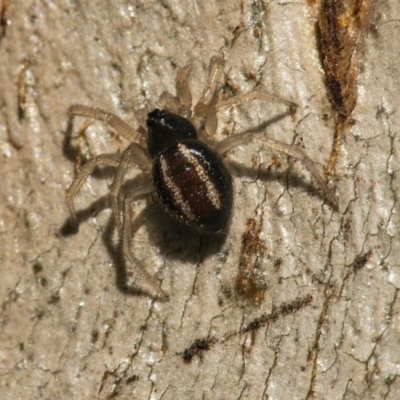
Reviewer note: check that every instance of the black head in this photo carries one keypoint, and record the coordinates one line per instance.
(166, 128)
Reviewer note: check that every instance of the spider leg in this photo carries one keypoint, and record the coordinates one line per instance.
(214, 73)
(121, 127)
(243, 98)
(170, 102)
(206, 109)
(132, 153)
(288, 149)
(111, 160)
(127, 237)
(183, 92)
(205, 114)
(256, 94)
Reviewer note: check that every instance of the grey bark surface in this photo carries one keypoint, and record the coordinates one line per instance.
(328, 326)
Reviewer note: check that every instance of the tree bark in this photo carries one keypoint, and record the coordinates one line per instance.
(78, 322)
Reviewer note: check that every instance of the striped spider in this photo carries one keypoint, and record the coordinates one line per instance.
(182, 163)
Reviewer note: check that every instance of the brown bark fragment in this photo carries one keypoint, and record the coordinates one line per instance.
(342, 26)
(249, 281)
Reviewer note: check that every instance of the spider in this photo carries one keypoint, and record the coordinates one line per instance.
(181, 162)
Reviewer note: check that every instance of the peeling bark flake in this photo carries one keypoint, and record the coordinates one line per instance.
(342, 25)
(250, 283)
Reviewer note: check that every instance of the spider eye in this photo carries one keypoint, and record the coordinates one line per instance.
(166, 128)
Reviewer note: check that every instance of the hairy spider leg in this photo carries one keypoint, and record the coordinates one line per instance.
(111, 160)
(205, 115)
(131, 154)
(127, 236)
(290, 150)
(120, 126)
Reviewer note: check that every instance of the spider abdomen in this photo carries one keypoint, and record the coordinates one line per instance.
(193, 185)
